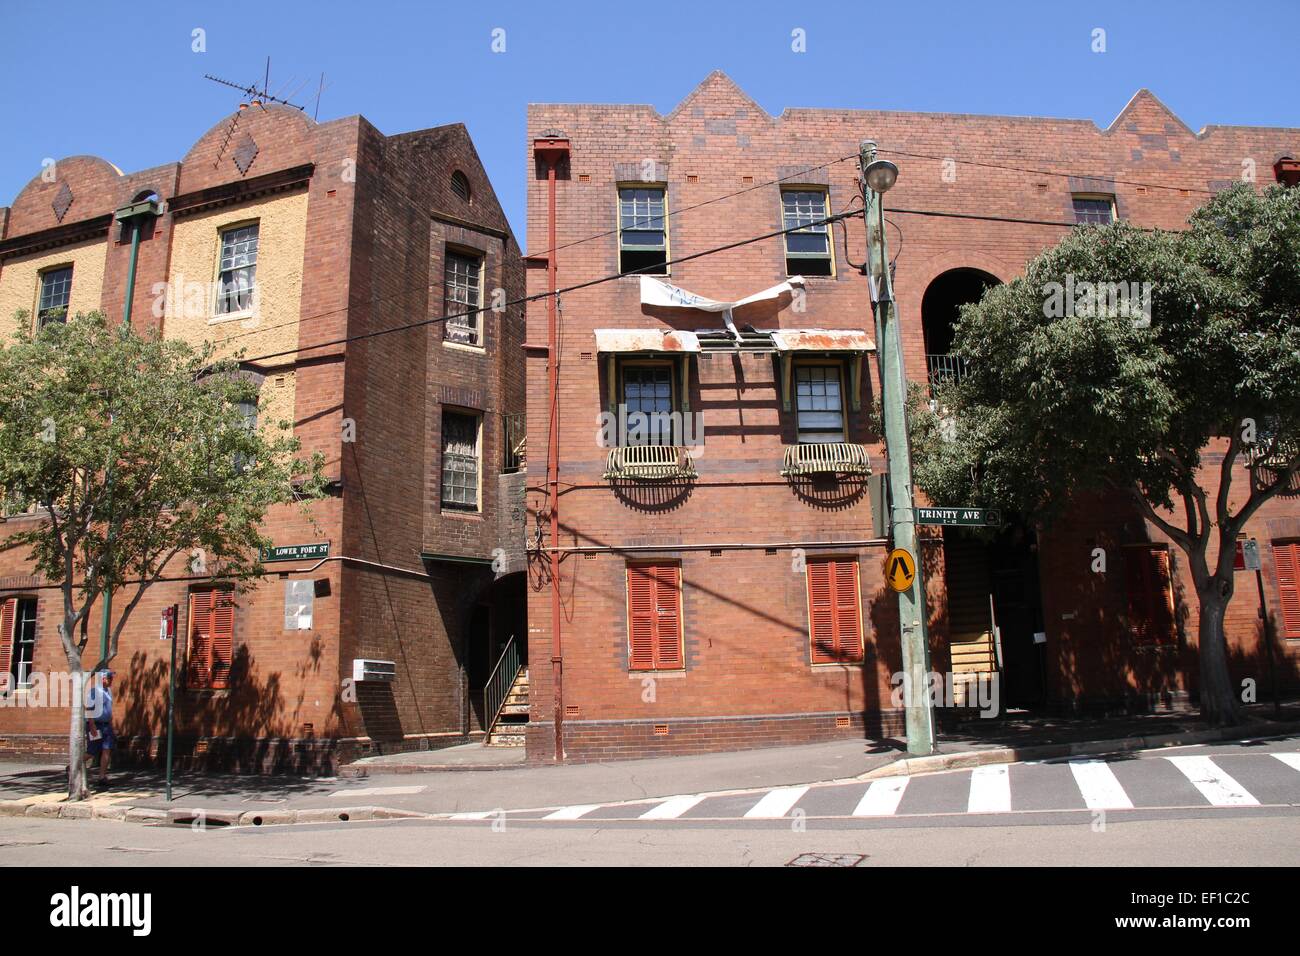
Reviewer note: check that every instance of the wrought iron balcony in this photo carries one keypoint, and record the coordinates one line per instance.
(649, 463)
(945, 369)
(843, 458)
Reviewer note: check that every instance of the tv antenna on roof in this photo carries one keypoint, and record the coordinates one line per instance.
(258, 97)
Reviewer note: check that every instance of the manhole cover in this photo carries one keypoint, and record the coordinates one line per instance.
(827, 859)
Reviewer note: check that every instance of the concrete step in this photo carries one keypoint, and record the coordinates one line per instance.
(520, 709)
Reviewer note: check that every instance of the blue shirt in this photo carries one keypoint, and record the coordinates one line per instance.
(94, 705)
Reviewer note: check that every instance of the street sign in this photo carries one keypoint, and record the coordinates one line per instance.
(966, 517)
(296, 552)
(167, 626)
(1247, 556)
(900, 569)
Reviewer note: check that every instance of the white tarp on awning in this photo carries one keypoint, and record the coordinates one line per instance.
(657, 292)
(822, 340)
(645, 340)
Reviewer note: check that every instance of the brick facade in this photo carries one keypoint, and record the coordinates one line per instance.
(739, 528)
(366, 219)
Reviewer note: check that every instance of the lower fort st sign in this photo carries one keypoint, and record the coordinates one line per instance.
(968, 517)
(296, 552)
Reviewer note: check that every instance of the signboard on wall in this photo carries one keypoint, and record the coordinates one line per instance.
(296, 552)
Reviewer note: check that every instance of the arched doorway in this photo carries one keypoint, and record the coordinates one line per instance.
(940, 310)
(991, 582)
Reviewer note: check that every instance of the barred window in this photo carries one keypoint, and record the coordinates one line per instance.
(238, 270)
(807, 251)
(1097, 210)
(460, 461)
(820, 407)
(463, 293)
(56, 290)
(642, 232)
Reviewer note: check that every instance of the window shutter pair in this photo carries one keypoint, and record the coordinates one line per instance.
(654, 616)
(834, 611)
(8, 611)
(1286, 558)
(1150, 595)
(212, 638)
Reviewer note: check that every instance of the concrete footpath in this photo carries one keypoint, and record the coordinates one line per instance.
(474, 778)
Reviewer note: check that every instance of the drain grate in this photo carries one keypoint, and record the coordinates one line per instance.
(828, 859)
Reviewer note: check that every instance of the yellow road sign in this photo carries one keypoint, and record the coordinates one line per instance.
(900, 569)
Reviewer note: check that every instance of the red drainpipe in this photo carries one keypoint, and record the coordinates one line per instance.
(551, 150)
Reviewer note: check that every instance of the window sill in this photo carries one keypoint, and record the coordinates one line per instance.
(841, 665)
(233, 317)
(464, 515)
(465, 346)
(675, 672)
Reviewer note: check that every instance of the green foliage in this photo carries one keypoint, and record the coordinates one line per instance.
(1055, 403)
(138, 452)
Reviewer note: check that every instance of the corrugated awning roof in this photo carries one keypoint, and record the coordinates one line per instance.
(645, 340)
(822, 340)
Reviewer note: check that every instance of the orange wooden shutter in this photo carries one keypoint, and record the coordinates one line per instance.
(1150, 595)
(834, 618)
(7, 612)
(668, 639)
(1286, 558)
(223, 637)
(654, 616)
(848, 627)
(200, 639)
(821, 611)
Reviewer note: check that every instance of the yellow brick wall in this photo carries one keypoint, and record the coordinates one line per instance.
(20, 282)
(190, 303)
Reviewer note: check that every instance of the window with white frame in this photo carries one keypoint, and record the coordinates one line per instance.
(819, 403)
(808, 248)
(642, 230)
(463, 299)
(237, 271)
(460, 461)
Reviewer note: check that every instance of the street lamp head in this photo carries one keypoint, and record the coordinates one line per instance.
(881, 175)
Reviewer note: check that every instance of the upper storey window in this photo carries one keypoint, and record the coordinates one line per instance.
(808, 248)
(237, 272)
(56, 290)
(1096, 210)
(464, 292)
(642, 230)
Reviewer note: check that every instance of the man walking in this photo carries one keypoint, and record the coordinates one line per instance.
(100, 739)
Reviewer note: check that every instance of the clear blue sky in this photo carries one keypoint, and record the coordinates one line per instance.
(121, 81)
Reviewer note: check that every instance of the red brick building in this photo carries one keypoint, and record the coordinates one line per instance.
(295, 241)
(726, 591)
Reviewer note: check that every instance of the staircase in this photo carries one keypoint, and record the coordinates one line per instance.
(508, 728)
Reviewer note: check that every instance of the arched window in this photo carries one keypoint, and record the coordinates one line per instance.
(460, 185)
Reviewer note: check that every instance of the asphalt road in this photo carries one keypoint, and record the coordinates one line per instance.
(1226, 804)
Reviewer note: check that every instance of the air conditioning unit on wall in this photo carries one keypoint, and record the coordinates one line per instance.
(373, 671)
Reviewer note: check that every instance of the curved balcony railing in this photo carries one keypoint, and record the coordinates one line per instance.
(649, 463)
(842, 458)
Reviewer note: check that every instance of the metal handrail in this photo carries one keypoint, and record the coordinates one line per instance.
(498, 685)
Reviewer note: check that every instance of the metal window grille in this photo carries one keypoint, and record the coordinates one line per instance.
(820, 409)
(238, 270)
(641, 218)
(460, 461)
(463, 293)
(56, 290)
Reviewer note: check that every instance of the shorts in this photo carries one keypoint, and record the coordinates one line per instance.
(107, 741)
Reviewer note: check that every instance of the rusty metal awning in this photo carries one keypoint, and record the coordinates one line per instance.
(646, 340)
(822, 340)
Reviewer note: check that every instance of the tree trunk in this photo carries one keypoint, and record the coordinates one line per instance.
(77, 739)
(1218, 697)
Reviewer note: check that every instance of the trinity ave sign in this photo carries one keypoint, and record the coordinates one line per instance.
(969, 517)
